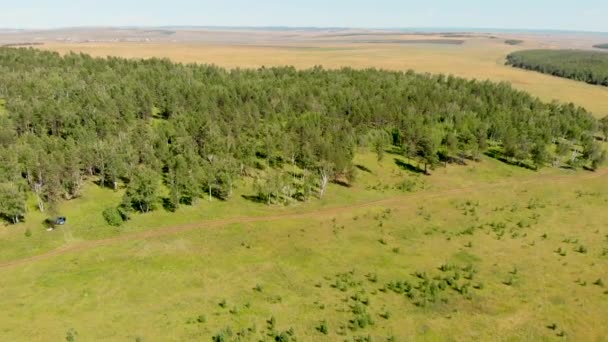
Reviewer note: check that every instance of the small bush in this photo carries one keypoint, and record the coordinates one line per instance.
(113, 217)
(323, 328)
(71, 335)
(223, 336)
(28, 233)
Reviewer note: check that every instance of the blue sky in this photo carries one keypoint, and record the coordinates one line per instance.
(582, 15)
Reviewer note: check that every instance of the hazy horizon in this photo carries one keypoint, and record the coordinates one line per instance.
(518, 15)
(428, 29)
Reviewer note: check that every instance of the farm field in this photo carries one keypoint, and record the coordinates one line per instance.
(525, 252)
(479, 58)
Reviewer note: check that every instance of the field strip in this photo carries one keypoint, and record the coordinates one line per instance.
(397, 201)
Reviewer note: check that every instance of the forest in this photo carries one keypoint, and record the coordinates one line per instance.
(579, 65)
(601, 46)
(189, 132)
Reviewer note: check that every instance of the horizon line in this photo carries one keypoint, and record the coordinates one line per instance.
(426, 29)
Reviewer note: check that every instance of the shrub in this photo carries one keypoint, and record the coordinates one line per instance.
(28, 233)
(323, 328)
(71, 335)
(223, 336)
(113, 217)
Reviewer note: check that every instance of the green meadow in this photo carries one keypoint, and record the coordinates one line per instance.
(486, 251)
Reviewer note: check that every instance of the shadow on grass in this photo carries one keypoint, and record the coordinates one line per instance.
(408, 167)
(341, 182)
(494, 154)
(255, 199)
(363, 168)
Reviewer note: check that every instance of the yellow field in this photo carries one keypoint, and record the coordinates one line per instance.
(479, 58)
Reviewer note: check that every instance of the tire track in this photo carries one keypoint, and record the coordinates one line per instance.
(400, 201)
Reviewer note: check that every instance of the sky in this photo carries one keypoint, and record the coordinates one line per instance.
(579, 15)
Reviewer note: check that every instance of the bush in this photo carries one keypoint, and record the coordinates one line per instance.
(223, 336)
(323, 328)
(28, 233)
(113, 217)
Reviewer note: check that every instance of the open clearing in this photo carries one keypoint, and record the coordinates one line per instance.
(529, 245)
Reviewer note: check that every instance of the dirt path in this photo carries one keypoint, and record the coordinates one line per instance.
(398, 201)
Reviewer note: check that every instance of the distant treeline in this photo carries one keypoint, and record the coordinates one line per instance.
(22, 44)
(198, 129)
(513, 42)
(601, 46)
(580, 65)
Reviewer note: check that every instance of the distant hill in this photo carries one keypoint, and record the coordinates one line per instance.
(601, 46)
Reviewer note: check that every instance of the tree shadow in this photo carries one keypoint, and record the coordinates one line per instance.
(9, 220)
(255, 199)
(49, 224)
(408, 167)
(341, 182)
(494, 154)
(168, 205)
(363, 168)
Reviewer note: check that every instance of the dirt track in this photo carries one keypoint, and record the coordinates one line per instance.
(398, 201)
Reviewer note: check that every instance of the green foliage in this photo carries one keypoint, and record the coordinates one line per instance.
(113, 217)
(142, 191)
(585, 66)
(224, 335)
(198, 129)
(12, 203)
(71, 335)
(323, 327)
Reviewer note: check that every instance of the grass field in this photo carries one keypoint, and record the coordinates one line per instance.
(522, 252)
(479, 58)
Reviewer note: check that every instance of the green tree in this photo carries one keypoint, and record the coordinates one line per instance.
(142, 191)
(604, 127)
(12, 202)
(594, 153)
(427, 151)
(539, 154)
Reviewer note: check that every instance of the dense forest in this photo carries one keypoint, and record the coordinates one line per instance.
(191, 131)
(579, 65)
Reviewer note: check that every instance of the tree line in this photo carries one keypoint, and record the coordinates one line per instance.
(579, 65)
(189, 132)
